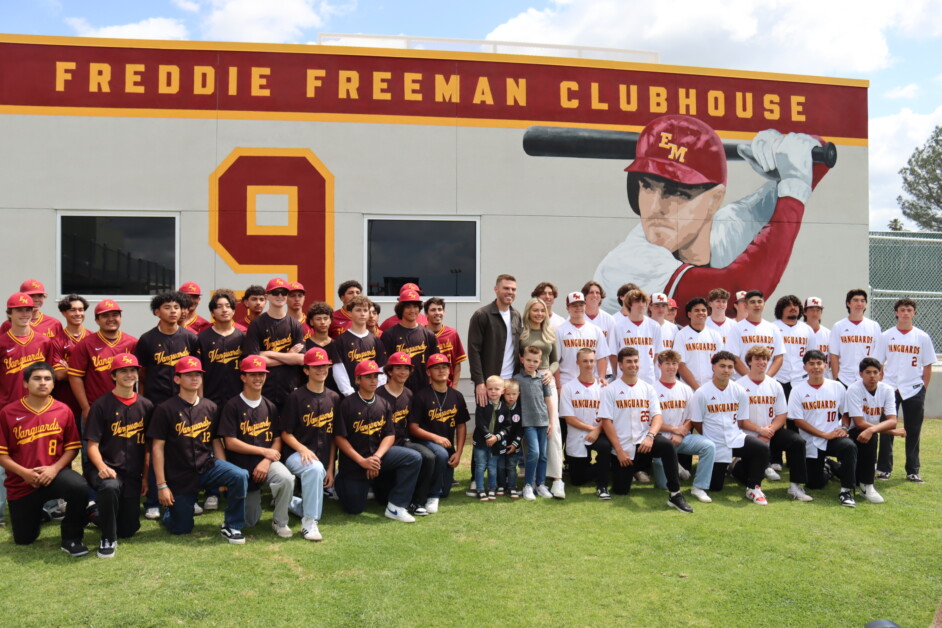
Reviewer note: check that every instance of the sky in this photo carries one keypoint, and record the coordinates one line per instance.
(890, 44)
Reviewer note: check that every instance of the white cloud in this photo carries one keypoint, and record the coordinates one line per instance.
(190, 6)
(150, 28)
(892, 140)
(799, 36)
(905, 92)
(276, 21)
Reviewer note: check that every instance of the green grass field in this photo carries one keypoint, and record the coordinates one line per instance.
(631, 561)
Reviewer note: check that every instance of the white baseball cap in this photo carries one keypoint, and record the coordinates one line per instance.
(813, 302)
(659, 297)
(574, 297)
(741, 295)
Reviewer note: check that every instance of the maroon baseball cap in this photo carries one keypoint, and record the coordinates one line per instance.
(188, 364)
(437, 358)
(399, 358)
(682, 149)
(123, 361)
(276, 284)
(366, 367)
(295, 286)
(410, 296)
(253, 364)
(191, 288)
(316, 357)
(107, 305)
(32, 286)
(20, 299)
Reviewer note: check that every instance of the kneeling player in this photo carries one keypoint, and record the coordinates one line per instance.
(114, 431)
(867, 399)
(579, 403)
(38, 442)
(631, 419)
(817, 406)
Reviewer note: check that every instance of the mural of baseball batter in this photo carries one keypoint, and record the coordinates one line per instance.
(688, 241)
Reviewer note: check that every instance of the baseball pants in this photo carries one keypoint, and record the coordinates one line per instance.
(119, 511)
(866, 456)
(913, 413)
(26, 512)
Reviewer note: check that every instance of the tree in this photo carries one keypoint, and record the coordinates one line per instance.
(922, 182)
(896, 225)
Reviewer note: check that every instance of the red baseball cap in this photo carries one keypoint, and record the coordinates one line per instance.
(20, 299)
(366, 367)
(123, 361)
(276, 284)
(32, 286)
(316, 357)
(188, 364)
(672, 303)
(409, 296)
(295, 286)
(253, 364)
(106, 305)
(399, 358)
(682, 149)
(436, 359)
(410, 286)
(191, 288)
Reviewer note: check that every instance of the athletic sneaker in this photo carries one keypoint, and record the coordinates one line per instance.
(282, 530)
(756, 496)
(528, 493)
(914, 477)
(558, 490)
(309, 529)
(798, 494)
(74, 548)
(211, 503)
(834, 466)
(472, 490)
(871, 494)
(770, 474)
(417, 510)
(642, 478)
(232, 535)
(197, 509)
(152, 513)
(106, 548)
(543, 492)
(398, 513)
(732, 465)
(847, 499)
(500, 491)
(492, 496)
(682, 473)
(776, 466)
(677, 501)
(514, 493)
(431, 505)
(482, 496)
(58, 512)
(603, 493)
(701, 495)
(883, 475)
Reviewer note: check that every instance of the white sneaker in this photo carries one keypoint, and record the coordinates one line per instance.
(282, 530)
(871, 494)
(642, 478)
(431, 505)
(543, 492)
(152, 513)
(798, 494)
(756, 496)
(472, 490)
(558, 490)
(776, 466)
(211, 503)
(309, 529)
(772, 475)
(197, 509)
(528, 493)
(398, 513)
(683, 474)
(701, 495)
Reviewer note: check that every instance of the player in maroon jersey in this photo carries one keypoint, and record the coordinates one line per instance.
(20, 346)
(341, 320)
(190, 319)
(449, 342)
(73, 309)
(394, 319)
(44, 325)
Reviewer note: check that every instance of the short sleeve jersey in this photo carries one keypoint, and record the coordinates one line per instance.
(796, 339)
(822, 340)
(645, 337)
(348, 350)
(696, 349)
(604, 321)
(279, 335)
(159, 353)
(449, 343)
(439, 413)
(399, 408)
(35, 438)
(852, 342)
(419, 343)
(18, 353)
(723, 329)
(187, 432)
(904, 355)
(309, 417)
(221, 356)
(673, 399)
(364, 425)
(570, 339)
(630, 408)
(719, 411)
(870, 406)
(744, 335)
(257, 426)
(766, 400)
(821, 406)
(119, 427)
(43, 325)
(91, 360)
(581, 401)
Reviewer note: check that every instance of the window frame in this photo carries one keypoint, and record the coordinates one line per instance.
(105, 213)
(476, 298)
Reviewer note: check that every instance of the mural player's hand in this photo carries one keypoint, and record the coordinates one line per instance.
(760, 154)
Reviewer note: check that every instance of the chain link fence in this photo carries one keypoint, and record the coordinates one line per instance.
(907, 264)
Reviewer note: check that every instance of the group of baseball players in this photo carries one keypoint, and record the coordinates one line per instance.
(316, 403)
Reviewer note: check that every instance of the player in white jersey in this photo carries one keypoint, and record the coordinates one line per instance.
(577, 334)
(673, 396)
(631, 419)
(622, 313)
(814, 308)
(718, 300)
(872, 411)
(853, 339)
(797, 338)
(715, 410)
(818, 406)
(594, 293)
(754, 330)
(660, 304)
(579, 403)
(640, 332)
(908, 355)
(696, 344)
(766, 420)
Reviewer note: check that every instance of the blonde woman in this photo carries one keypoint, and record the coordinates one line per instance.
(537, 332)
